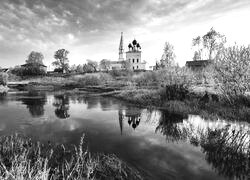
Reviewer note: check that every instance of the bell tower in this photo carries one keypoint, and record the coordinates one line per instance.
(121, 50)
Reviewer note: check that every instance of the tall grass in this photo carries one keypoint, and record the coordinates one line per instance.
(22, 159)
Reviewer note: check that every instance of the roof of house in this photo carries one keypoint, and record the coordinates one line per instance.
(29, 64)
(4, 69)
(198, 63)
(116, 62)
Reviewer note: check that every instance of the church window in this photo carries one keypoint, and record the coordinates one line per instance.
(137, 67)
(133, 60)
(137, 60)
(133, 67)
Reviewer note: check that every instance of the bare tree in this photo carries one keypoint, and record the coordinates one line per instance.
(211, 43)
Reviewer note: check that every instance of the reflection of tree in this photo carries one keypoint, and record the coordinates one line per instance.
(105, 103)
(35, 103)
(61, 102)
(169, 126)
(3, 96)
(226, 147)
(228, 152)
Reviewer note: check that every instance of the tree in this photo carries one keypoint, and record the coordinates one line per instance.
(168, 57)
(105, 64)
(232, 66)
(126, 65)
(3, 78)
(92, 64)
(211, 42)
(197, 56)
(79, 69)
(35, 58)
(62, 61)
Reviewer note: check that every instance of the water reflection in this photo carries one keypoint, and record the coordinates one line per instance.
(61, 102)
(35, 102)
(3, 97)
(221, 144)
(227, 151)
(226, 145)
(132, 115)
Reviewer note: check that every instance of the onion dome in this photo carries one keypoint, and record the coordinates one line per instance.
(130, 45)
(138, 45)
(134, 42)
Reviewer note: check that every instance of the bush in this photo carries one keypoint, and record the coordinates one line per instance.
(176, 75)
(3, 79)
(32, 70)
(146, 78)
(232, 66)
(93, 79)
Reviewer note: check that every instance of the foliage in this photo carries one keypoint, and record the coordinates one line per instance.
(210, 43)
(62, 61)
(31, 70)
(176, 75)
(35, 58)
(168, 57)
(146, 78)
(23, 159)
(232, 68)
(93, 79)
(93, 65)
(197, 56)
(79, 69)
(3, 79)
(126, 65)
(105, 64)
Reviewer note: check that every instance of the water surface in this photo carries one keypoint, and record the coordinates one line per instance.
(161, 145)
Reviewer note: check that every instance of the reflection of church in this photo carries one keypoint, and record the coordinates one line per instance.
(133, 117)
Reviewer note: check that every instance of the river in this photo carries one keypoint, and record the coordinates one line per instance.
(161, 145)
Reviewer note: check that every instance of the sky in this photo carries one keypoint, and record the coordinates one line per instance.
(90, 29)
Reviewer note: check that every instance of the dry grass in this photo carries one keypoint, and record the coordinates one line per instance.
(22, 159)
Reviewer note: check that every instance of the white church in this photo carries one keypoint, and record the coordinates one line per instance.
(133, 56)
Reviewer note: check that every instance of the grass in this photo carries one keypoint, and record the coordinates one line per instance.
(22, 159)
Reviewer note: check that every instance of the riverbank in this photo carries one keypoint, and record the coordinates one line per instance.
(199, 100)
(21, 158)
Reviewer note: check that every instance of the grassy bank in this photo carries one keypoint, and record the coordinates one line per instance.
(190, 105)
(175, 89)
(20, 158)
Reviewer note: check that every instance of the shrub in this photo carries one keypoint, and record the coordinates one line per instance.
(93, 79)
(32, 70)
(3, 79)
(176, 75)
(146, 78)
(232, 66)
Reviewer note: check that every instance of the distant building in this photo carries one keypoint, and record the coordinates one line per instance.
(133, 56)
(41, 66)
(4, 70)
(198, 65)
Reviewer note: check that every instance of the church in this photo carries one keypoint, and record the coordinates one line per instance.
(133, 57)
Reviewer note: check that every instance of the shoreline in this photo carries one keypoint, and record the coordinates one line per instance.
(149, 98)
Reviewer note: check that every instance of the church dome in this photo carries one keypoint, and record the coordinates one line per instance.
(134, 42)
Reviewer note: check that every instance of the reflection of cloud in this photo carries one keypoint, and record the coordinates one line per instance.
(2, 126)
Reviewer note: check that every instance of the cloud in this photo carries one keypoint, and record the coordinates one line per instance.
(46, 25)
